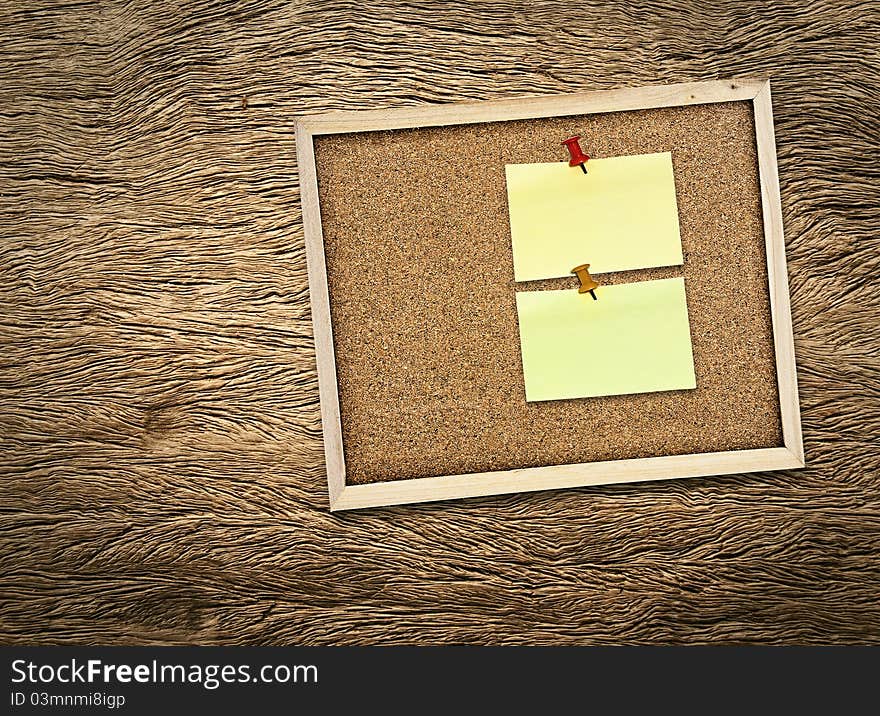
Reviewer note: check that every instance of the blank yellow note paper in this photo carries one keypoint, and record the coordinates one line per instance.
(634, 339)
(620, 216)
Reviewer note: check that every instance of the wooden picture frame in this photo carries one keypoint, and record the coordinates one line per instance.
(790, 455)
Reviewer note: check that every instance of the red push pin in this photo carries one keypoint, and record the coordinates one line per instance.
(578, 158)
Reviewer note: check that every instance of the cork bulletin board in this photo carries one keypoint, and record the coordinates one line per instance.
(412, 289)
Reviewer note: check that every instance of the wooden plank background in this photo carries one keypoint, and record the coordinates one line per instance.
(162, 471)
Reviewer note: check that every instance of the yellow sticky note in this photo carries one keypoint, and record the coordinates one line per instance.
(634, 339)
(622, 215)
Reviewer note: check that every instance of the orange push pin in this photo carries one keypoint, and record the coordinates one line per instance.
(587, 282)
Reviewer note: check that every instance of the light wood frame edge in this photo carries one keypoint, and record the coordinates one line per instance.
(777, 274)
(617, 100)
(322, 325)
(555, 477)
(347, 497)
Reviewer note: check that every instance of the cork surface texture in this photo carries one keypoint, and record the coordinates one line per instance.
(417, 240)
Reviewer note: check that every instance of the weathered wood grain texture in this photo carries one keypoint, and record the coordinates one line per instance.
(162, 471)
